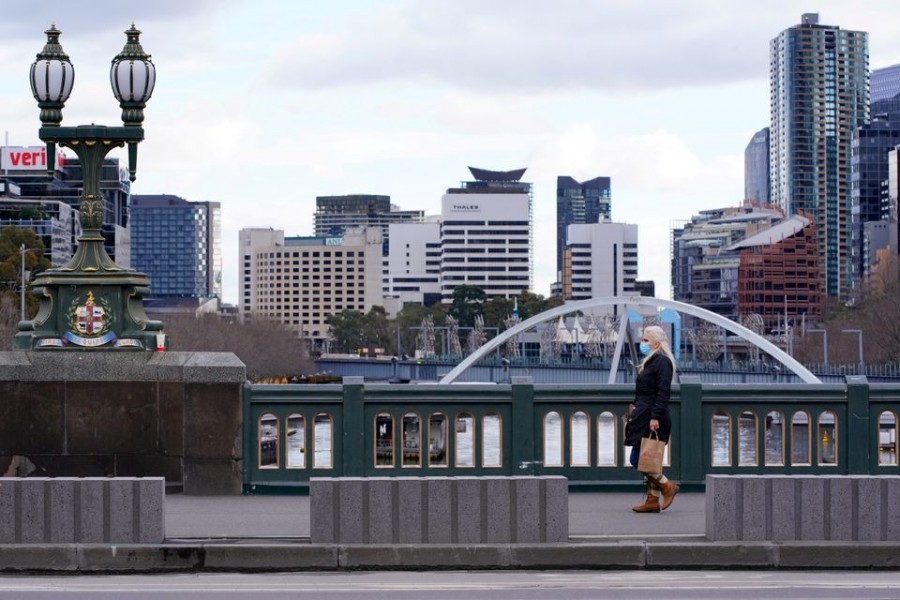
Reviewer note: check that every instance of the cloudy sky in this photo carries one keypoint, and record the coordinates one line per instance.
(263, 105)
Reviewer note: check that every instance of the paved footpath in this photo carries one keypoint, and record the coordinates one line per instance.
(591, 515)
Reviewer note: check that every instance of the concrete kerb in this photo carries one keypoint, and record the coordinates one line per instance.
(301, 556)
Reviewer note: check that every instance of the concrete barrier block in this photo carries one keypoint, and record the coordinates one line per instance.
(322, 503)
(755, 515)
(60, 495)
(382, 525)
(439, 510)
(91, 521)
(410, 499)
(68, 510)
(806, 508)
(709, 513)
(785, 508)
(889, 506)
(150, 504)
(469, 508)
(722, 507)
(812, 503)
(351, 496)
(841, 506)
(120, 513)
(498, 509)
(527, 491)
(556, 508)
(440, 516)
(30, 511)
(8, 508)
(871, 500)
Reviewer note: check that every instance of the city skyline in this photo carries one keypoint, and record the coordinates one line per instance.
(263, 107)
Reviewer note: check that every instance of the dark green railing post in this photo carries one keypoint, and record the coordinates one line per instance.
(353, 428)
(249, 432)
(859, 437)
(690, 439)
(523, 456)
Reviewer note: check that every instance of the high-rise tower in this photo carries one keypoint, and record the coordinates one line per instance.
(178, 244)
(579, 203)
(756, 167)
(885, 83)
(819, 96)
(486, 227)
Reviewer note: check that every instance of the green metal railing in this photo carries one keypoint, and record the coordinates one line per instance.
(294, 432)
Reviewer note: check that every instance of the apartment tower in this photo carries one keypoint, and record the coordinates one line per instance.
(819, 95)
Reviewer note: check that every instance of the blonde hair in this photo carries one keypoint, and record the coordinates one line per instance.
(655, 333)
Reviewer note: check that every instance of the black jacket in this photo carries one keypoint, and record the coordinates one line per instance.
(652, 389)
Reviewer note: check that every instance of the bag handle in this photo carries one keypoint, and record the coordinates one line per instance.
(653, 434)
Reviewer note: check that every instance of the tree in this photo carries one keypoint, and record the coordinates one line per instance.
(347, 331)
(468, 302)
(405, 324)
(496, 311)
(11, 241)
(534, 304)
(377, 330)
(9, 317)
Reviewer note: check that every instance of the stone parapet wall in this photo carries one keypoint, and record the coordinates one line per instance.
(177, 415)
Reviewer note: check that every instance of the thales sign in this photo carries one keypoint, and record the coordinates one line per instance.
(464, 207)
(26, 158)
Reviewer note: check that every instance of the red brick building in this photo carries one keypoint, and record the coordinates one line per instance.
(780, 273)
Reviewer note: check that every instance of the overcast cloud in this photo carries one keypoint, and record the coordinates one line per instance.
(262, 105)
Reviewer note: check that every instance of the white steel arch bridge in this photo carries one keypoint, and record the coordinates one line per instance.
(624, 302)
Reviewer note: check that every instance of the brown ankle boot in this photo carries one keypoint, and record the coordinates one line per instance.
(650, 504)
(668, 489)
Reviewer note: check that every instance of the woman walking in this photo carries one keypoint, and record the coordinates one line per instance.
(653, 385)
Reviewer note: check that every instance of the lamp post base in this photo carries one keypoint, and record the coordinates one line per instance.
(90, 309)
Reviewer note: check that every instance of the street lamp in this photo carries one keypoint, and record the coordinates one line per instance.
(859, 339)
(824, 333)
(90, 302)
(22, 290)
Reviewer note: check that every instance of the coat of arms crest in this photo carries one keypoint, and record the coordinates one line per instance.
(90, 322)
(89, 317)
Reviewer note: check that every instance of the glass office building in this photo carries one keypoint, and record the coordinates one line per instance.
(885, 83)
(819, 76)
(579, 203)
(868, 172)
(756, 167)
(177, 243)
(335, 214)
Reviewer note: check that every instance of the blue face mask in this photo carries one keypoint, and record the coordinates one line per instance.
(645, 348)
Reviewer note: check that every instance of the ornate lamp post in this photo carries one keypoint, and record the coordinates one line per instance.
(91, 303)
